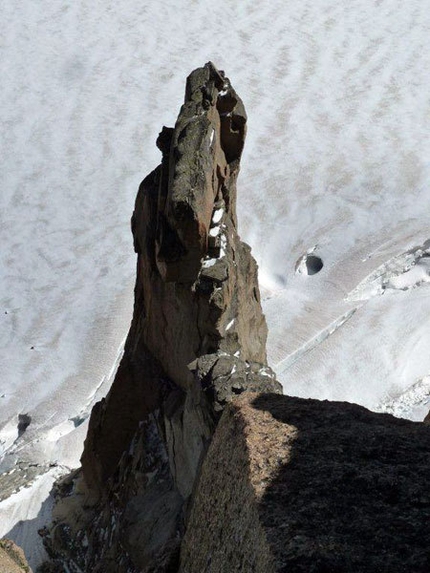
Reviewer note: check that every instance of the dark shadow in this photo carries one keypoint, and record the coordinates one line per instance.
(24, 420)
(313, 264)
(25, 534)
(355, 493)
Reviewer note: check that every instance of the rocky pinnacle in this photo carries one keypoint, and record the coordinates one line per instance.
(197, 339)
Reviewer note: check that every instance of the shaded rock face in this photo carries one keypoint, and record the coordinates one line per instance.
(301, 485)
(197, 339)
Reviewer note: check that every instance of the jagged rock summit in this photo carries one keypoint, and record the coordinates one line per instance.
(197, 339)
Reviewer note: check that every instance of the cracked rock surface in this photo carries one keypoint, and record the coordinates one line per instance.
(197, 339)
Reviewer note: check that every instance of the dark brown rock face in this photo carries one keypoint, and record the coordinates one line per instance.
(293, 485)
(197, 339)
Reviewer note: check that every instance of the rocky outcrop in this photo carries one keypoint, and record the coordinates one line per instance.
(302, 485)
(197, 339)
(193, 462)
(12, 558)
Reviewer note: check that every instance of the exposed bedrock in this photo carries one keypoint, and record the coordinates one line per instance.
(293, 485)
(12, 558)
(197, 339)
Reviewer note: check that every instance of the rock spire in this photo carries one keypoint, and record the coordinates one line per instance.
(197, 339)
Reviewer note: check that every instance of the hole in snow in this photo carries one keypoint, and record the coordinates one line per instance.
(309, 265)
(313, 264)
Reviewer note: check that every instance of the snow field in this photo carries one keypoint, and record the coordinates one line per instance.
(336, 162)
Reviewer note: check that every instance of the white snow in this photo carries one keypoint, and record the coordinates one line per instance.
(265, 372)
(403, 272)
(223, 245)
(207, 263)
(29, 510)
(414, 277)
(416, 399)
(337, 154)
(301, 268)
(217, 216)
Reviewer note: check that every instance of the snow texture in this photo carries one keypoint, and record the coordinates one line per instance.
(337, 156)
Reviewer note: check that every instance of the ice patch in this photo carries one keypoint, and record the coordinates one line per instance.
(417, 275)
(417, 395)
(401, 273)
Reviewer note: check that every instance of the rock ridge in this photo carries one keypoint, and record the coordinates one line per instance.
(197, 340)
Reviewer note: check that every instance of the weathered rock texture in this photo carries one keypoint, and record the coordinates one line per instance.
(197, 339)
(293, 485)
(12, 559)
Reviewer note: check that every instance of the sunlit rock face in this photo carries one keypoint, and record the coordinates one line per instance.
(12, 558)
(197, 339)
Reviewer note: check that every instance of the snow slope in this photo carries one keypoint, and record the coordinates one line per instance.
(336, 163)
